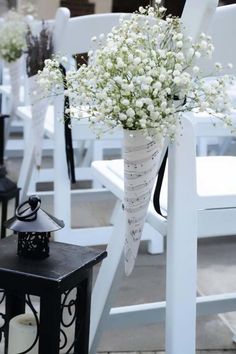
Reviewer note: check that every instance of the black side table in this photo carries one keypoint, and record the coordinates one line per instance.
(5, 197)
(68, 267)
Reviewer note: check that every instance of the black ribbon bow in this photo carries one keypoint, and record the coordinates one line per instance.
(67, 131)
(157, 192)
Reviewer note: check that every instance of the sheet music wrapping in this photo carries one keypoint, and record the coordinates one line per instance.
(141, 163)
(15, 72)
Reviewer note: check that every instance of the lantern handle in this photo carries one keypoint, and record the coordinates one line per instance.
(34, 202)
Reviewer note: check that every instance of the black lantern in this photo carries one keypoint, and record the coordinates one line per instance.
(34, 227)
(8, 189)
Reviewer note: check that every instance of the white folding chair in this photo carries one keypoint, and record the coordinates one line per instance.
(77, 39)
(27, 167)
(14, 125)
(57, 26)
(17, 146)
(192, 213)
(90, 25)
(221, 31)
(87, 26)
(201, 203)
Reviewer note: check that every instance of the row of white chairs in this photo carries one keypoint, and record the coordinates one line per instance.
(199, 198)
(74, 28)
(189, 214)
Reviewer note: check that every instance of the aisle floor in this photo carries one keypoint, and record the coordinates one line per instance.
(216, 274)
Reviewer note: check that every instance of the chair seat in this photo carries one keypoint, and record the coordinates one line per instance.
(80, 128)
(216, 177)
(24, 112)
(216, 191)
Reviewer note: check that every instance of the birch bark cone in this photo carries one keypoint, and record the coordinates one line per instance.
(15, 72)
(39, 105)
(141, 163)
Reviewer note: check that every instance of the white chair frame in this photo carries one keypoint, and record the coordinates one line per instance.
(189, 216)
(17, 146)
(222, 34)
(89, 25)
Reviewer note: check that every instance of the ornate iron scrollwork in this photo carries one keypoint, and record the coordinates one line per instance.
(68, 316)
(33, 244)
(3, 320)
(31, 306)
(69, 311)
(2, 315)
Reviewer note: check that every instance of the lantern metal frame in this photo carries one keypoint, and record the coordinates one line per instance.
(33, 226)
(33, 244)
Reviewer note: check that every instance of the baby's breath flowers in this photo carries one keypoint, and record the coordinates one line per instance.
(27, 7)
(12, 34)
(50, 78)
(143, 75)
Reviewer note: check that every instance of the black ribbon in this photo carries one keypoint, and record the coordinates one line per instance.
(157, 192)
(2, 137)
(67, 131)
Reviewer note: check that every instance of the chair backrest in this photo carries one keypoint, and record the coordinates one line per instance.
(77, 39)
(61, 22)
(222, 30)
(80, 30)
(197, 16)
(57, 25)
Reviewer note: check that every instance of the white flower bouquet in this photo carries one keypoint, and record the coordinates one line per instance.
(27, 7)
(12, 45)
(138, 72)
(12, 34)
(141, 77)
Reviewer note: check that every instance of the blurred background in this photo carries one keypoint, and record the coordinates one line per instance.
(46, 9)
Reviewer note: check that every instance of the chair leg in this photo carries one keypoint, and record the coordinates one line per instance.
(97, 155)
(155, 243)
(114, 212)
(88, 156)
(62, 193)
(181, 259)
(33, 180)
(107, 282)
(181, 290)
(26, 171)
